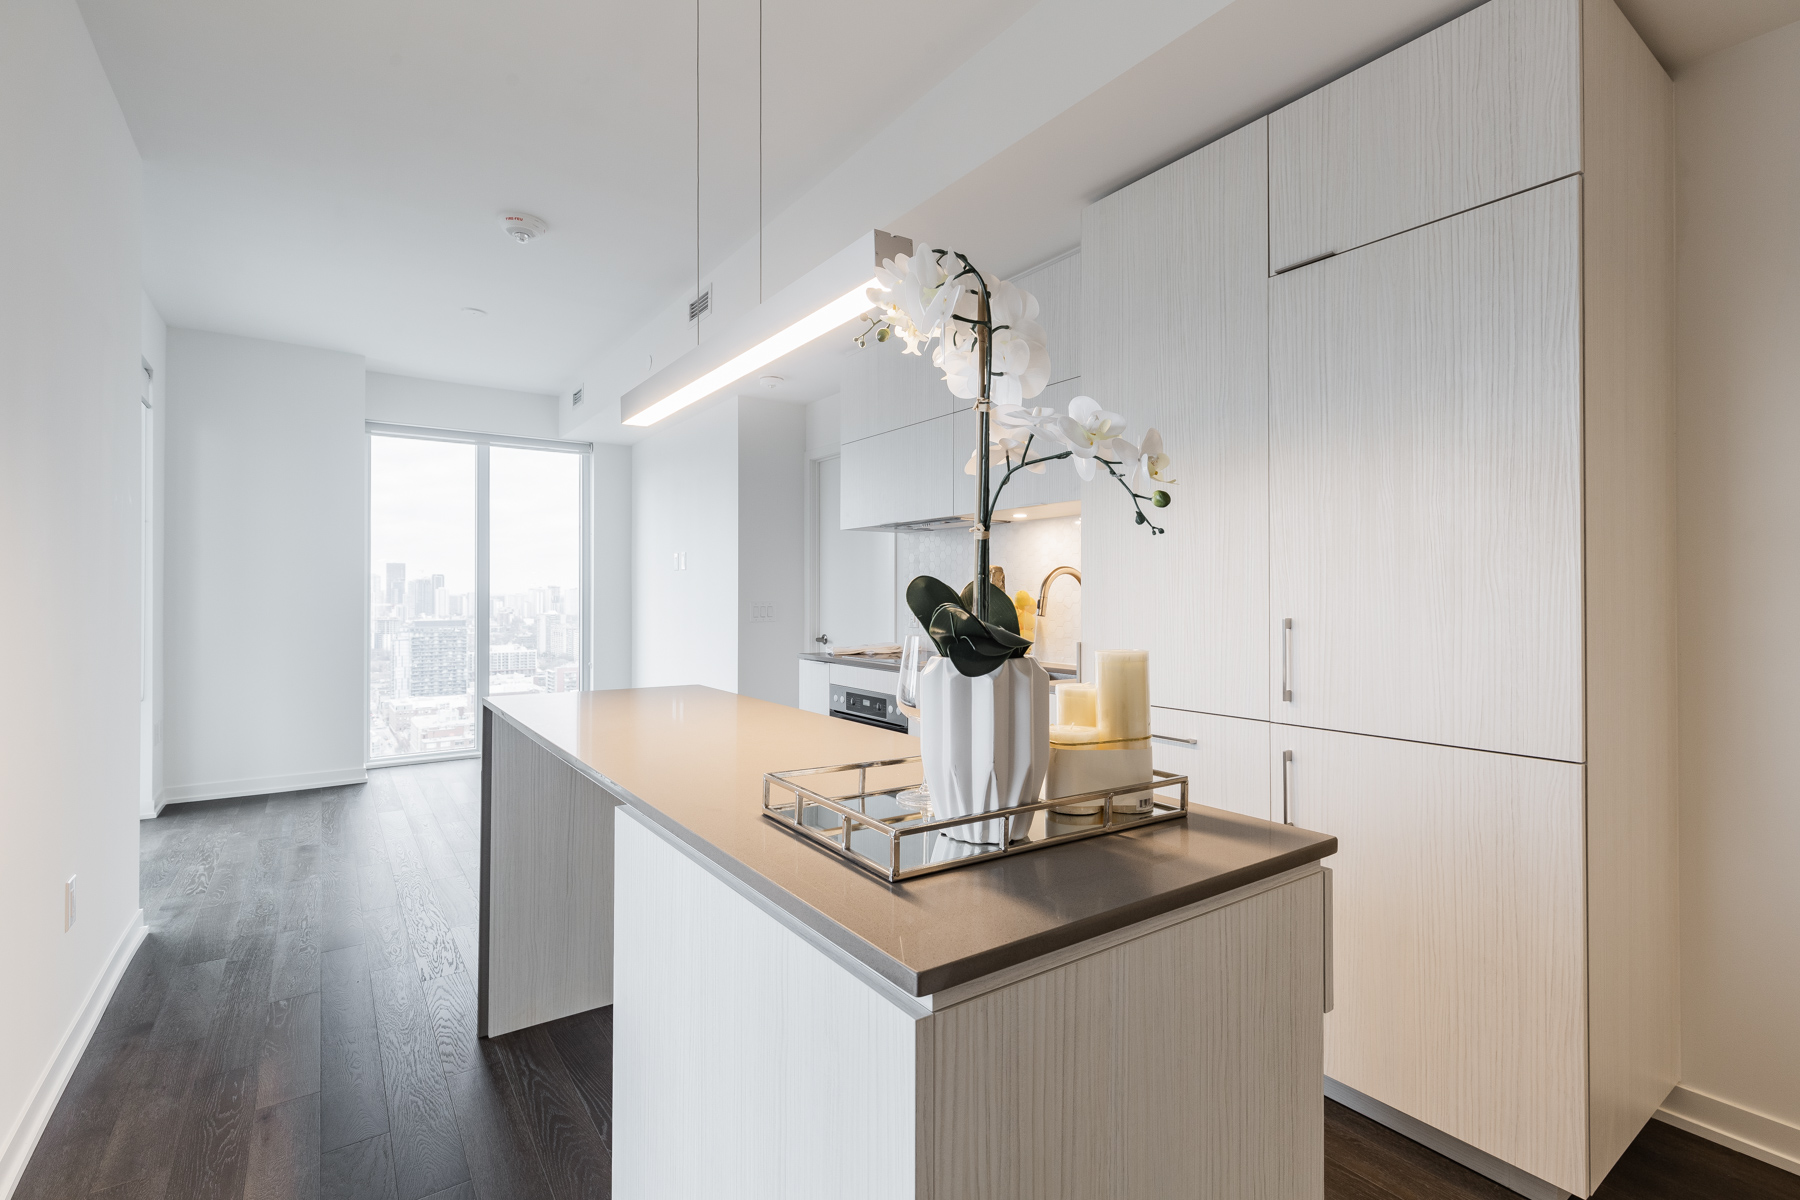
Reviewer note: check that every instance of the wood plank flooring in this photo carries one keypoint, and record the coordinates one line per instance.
(300, 1022)
(300, 1025)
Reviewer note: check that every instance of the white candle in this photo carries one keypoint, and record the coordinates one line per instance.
(1124, 699)
(1075, 704)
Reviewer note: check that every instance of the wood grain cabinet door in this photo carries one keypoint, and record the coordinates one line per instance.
(1459, 937)
(1425, 483)
(898, 476)
(1175, 336)
(1482, 107)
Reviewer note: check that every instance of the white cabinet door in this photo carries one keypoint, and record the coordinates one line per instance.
(1175, 303)
(1057, 484)
(815, 686)
(1480, 108)
(885, 388)
(899, 476)
(1226, 759)
(1459, 937)
(1425, 487)
(1057, 286)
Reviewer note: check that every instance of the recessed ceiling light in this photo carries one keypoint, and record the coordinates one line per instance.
(474, 312)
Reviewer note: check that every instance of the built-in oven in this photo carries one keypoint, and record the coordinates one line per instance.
(880, 709)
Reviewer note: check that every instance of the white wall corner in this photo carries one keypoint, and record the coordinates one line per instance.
(1748, 1132)
(22, 1139)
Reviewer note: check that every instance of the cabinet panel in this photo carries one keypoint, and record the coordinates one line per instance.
(1175, 320)
(1226, 759)
(1057, 484)
(815, 686)
(898, 476)
(885, 388)
(1480, 108)
(1459, 945)
(1057, 286)
(1425, 490)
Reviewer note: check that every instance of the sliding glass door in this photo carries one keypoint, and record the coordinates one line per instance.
(475, 583)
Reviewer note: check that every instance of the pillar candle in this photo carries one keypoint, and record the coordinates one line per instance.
(1075, 704)
(1124, 695)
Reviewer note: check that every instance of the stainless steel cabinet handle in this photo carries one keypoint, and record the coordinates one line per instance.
(1163, 737)
(1287, 659)
(1287, 762)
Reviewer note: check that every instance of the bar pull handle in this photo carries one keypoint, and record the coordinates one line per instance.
(1163, 737)
(1287, 764)
(1287, 659)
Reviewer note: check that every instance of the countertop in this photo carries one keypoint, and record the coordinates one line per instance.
(692, 759)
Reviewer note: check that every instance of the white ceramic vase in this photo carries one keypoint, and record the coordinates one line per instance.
(985, 741)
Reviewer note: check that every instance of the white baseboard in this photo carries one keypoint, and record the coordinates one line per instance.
(1748, 1132)
(267, 785)
(1478, 1161)
(15, 1152)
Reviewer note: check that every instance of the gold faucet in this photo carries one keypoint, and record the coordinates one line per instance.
(1043, 606)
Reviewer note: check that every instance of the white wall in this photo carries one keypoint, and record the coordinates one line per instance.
(772, 469)
(684, 494)
(1738, 381)
(266, 567)
(403, 400)
(69, 492)
(609, 593)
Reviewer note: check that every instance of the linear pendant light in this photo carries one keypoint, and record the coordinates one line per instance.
(830, 295)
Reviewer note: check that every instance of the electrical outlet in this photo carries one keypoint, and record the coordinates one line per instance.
(762, 610)
(69, 904)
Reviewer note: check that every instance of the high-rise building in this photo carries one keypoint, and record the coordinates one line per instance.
(396, 583)
(437, 657)
(421, 598)
(512, 660)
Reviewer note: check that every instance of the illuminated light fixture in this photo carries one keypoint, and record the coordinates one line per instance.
(1025, 517)
(825, 298)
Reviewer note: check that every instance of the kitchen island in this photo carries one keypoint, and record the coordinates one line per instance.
(1132, 1015)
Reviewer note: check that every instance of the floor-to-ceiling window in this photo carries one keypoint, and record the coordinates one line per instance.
(476, 578)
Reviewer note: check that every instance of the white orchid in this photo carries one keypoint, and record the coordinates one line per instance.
(1151, 465)
(915, 294)
(1090, 431)
(1019, 346)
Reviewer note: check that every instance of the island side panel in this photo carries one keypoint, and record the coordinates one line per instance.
(746, 1063)
(1185, 1062)
(546, 889)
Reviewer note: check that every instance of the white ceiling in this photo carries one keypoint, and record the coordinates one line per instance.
(330, 173)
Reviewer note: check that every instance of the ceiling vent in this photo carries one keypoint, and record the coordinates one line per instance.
(699, 305)
(575, 400)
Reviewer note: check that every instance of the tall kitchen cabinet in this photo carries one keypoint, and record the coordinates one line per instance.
(1461, 595)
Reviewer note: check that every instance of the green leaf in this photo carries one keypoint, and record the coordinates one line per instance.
(924, 595)
(1000, 607)
(973, 646)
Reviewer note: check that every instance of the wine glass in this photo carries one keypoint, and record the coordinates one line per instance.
(915, 654)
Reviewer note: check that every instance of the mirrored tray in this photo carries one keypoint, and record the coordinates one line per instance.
(854, 810)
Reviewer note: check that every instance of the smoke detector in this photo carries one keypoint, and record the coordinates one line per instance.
(522, 227)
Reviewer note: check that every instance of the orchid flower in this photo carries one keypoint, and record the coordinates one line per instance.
(1090, 431)
(1019, 347)
(1152, 466)
(914, 294)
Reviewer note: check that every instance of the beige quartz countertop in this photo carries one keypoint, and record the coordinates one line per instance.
(692, 759)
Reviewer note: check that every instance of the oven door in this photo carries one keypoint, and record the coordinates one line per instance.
(868, 708)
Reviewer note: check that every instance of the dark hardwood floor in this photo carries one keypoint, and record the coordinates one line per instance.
(300, 1023)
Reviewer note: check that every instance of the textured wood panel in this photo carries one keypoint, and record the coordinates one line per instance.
(1460, 943)
(801, 1087)
(1633, 911)
(1057, 286)
(886, 388)
(547, 924)
(902, 475)
(1227, 765)
(1480, 108)
(1175, 336)
(1425, 482)
(1182, 1063)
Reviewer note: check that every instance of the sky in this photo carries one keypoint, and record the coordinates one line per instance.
(422, 513)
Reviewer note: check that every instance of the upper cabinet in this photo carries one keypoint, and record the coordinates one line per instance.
(1478, 109)
(905, 438)
(1425, 488)
(1175, 303)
